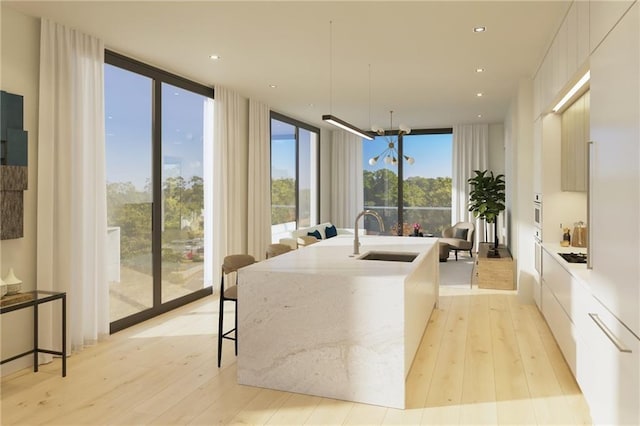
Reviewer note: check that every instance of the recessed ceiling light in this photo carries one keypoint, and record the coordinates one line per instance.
(479, 29)
(479, 94)
(273, 86)
(215, 57)
(311, 105)
(479, 69)
(479, 115)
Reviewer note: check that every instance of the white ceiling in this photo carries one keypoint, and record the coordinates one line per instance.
(422, 55)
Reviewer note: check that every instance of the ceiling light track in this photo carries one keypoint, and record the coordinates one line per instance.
(330, 118)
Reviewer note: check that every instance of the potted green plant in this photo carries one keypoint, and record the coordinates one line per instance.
(486, 200)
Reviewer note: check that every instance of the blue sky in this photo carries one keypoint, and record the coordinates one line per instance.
(432, 154)
(128, 128)
(128, 110)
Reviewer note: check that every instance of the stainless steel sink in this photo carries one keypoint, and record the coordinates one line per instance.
(389, 256)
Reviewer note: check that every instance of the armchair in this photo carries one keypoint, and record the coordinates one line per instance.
(459, 237)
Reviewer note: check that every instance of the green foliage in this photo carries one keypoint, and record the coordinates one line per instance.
(380, 188)
(131, 210)
(283, 200)
(426, 201)
(487, 197)
(420, 191)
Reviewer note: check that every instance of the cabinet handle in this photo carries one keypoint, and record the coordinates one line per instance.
(609, 334)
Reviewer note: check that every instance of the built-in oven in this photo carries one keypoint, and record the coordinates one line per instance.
(537, 238)
(537, 249)
(537, 211)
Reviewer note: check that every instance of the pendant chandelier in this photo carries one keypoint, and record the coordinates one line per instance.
(390, 153)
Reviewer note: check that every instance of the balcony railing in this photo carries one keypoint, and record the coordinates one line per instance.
(432, 220)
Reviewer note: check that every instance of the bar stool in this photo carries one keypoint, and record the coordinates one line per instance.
(277, 249)
(230, 264)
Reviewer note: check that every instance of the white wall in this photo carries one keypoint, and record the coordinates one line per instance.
(19, 75)
(496, 148)
(560, 209)
(519, 178)
(496, 164)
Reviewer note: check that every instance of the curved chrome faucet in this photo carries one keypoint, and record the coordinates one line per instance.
(356, 241)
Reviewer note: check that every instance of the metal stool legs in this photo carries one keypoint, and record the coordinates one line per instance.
(231, 264)
(221, 334)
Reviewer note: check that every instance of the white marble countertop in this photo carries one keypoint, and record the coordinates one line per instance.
(334, 256)
(578, 270)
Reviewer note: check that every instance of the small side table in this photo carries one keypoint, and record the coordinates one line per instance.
(34, 299)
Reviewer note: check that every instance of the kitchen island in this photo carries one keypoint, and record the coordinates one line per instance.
(321, 321)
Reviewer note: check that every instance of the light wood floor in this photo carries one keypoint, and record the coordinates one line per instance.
(484, 359)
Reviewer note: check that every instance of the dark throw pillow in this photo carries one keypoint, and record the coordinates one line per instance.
(330, 231)
(315, 233)
(461, 233)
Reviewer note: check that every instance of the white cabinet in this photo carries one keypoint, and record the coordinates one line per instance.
(614, 243)
(603, 15)
(571, 24)
(565, 60)
(577, 25)
(613, 390)
(561, 51)
(583, 30)
(537, 156)
(575, 138)
(602, 353)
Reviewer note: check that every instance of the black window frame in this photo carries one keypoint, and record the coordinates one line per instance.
(298, 125)
(400, 147)
(158, 77)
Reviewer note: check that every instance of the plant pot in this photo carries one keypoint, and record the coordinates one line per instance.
(493, 253)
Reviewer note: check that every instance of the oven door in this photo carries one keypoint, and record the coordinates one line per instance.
(537, 250)
(537, 215)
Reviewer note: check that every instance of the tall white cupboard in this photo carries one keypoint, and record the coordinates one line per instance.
(615, 170)
(595, 313)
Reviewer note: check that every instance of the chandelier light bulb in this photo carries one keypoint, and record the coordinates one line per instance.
(390, 153)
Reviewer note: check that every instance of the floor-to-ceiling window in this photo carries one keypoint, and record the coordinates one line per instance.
(295, 189)
(157, 125)
(407, 194)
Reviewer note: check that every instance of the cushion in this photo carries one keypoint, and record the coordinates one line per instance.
(330, 231)
(461, 233)
(315, 233)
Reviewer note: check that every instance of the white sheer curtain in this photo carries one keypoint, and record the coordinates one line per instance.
(72, 207)
(208, 175)
(347, 193)
(227, 192)
(259, 180)
(470, 152)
